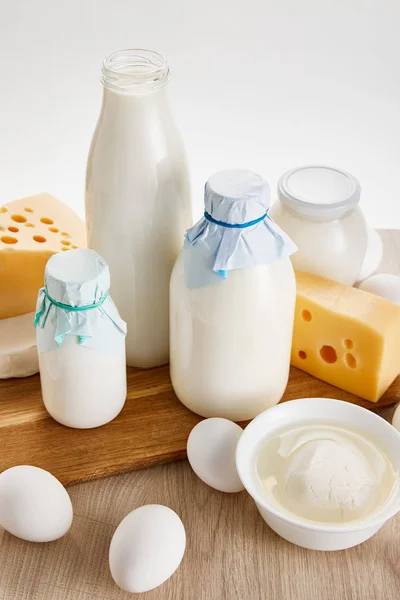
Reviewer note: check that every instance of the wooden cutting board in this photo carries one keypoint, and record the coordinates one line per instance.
(152, 428)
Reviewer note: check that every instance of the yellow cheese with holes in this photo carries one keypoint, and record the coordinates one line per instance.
(345, 336)
(31, 230)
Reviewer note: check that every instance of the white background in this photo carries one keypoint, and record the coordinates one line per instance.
(266, 85)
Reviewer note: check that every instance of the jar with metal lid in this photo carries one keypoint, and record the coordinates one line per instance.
(318, 207)
(80, 341)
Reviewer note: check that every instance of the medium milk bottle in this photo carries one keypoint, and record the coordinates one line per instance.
(137, 197)
(232, 295)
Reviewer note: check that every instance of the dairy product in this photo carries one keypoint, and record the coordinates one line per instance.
(230, 342)
(345, 336)
(231, 322)
(318, 209)
(325, 472)
(137, 197)
(31, 230)
(82, 388)
(373, 255)
(81, 342)
(18, 353)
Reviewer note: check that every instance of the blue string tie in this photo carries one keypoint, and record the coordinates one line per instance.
(234, 225)
(68, 307)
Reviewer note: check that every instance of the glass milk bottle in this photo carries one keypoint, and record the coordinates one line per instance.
(318, 207)
(137, 197)
(232, 298)
(80, 341)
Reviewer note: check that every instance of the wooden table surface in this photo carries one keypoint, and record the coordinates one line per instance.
(231, 553)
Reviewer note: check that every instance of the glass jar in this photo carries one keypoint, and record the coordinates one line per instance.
(318, 208)
(232, 300)
(80, 341)
(137, 197)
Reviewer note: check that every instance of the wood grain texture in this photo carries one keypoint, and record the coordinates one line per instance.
(152, 428)
(231, 553)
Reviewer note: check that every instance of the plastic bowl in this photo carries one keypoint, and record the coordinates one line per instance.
(310, 534)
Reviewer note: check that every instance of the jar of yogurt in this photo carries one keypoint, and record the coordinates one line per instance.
(80, 341)
(318, 207)
(232, 299)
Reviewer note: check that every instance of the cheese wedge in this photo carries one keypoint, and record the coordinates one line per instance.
(18, 354)
(345, 336)
(31, 230)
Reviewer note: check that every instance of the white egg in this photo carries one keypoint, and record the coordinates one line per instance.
(147, 548)
(387, 286)
(396, 418)
(34, 505)
(211, 449)
(373, 255)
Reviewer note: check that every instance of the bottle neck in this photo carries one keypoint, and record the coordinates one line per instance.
(118, 103)
(135, 72)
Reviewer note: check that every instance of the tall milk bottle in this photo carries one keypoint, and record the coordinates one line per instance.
(138, 198)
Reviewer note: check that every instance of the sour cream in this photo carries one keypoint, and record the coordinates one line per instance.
(325, 473)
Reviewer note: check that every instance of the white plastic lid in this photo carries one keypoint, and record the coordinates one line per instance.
(319, 192)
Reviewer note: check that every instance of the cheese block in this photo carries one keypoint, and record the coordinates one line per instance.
(31, 230)
(18, 354)
(345, 336)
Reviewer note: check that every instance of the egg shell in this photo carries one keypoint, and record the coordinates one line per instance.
(146, 548)
(396, 418)
(384, 285)
(373, 255)
(211, 449)
(34, 505)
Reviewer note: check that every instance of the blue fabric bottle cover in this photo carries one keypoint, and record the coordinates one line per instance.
(75, 301)
(235, 232)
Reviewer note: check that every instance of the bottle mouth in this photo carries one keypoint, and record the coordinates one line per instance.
(135, 71)
(318, 191)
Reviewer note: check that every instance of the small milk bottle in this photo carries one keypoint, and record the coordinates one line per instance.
(137, 197)
(80, 341)
(232, 299)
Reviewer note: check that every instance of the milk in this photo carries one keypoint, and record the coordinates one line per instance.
(331, 249)
(233, 294)
(80, 341)
(231, 341)
(82, 387)
(137, 198)
(318, 208)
